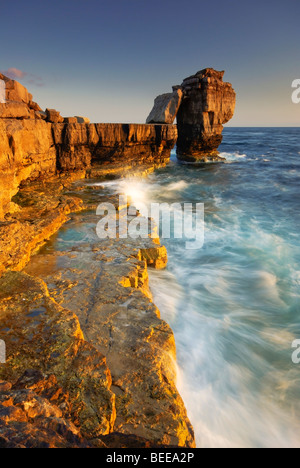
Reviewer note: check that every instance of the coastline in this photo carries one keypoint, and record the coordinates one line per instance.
(142, 401)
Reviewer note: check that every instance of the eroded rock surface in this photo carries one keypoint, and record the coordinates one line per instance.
(41, 335)
(31, 414)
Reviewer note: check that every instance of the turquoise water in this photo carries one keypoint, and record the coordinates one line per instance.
(234, 305)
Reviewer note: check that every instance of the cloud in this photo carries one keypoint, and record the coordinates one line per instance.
(16, 74)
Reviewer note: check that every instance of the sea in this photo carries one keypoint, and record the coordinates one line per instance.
(234, 304)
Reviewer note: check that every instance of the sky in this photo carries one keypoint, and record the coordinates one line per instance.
(108, 60)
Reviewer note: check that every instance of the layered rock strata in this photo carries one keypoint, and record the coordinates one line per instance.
(92, 145)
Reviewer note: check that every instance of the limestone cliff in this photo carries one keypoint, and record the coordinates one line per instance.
(84, 146)
(36, 144)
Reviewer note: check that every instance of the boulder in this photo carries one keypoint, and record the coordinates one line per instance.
(34, 106)
(15, 101)
(165, 108)
(42, 115)
(54, 116)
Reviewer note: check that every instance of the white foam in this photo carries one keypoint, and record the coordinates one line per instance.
(233, 157)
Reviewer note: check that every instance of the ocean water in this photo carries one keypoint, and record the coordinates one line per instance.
(234, 305)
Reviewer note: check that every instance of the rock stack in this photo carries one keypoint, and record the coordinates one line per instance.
(206, 104)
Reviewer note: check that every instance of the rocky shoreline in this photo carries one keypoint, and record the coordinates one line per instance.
(51, 321)
(89, 363)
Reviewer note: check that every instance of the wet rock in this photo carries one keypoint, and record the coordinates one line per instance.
(5, 386)
(106, 284)
(40, 210)
(31, 419)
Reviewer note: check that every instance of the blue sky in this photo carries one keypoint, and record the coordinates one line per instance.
(108, 60)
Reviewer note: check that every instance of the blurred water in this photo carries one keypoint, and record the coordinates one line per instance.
(234, 305)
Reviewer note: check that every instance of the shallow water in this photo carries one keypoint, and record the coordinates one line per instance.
(234, 305)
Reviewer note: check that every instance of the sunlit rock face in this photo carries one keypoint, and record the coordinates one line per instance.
(26, 152)
(208, 103)
(165, 108)
(81, 146)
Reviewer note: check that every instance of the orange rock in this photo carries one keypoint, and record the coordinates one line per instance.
(54, 116)
(47, 338)
(14, 110)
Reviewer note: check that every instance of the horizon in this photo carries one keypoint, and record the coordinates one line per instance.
(109, 61)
